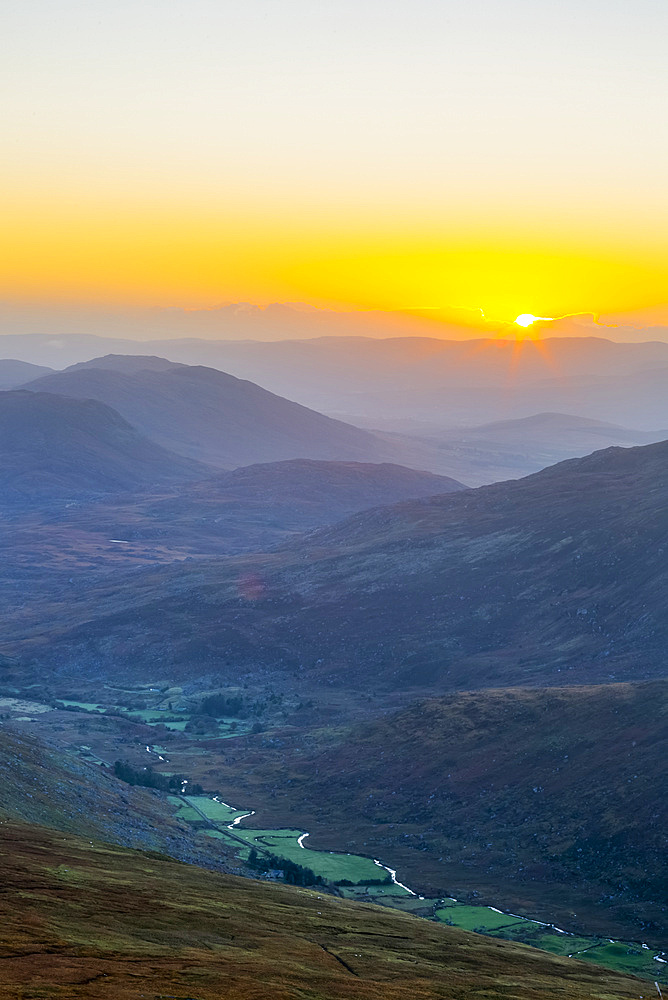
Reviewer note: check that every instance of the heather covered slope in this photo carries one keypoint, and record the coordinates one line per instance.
(85, 920)
(555, 579)
(52, 446)
(207, 415)
(44, 784)
(547, 802)
(252, 508)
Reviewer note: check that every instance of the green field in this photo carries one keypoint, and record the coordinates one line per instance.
(217, 812)
(622, 956)
(389, 890)
(284, 843)
(331, 867)
(389, 895)
(183, 810)
(470, 918)
(625, 957)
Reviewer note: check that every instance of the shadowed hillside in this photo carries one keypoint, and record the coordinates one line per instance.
(85, 920)
(44, 785)
(555, 579)
(551, 800)
(51, 447)
(252, 508)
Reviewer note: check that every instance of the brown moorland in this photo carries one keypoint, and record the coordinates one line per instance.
(82, 920)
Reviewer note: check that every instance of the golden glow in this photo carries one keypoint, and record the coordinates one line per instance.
(528, 319)
(194, 256)
(308, 152)
(127, 244)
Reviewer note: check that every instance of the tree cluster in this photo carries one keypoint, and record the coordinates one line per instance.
(148, 778)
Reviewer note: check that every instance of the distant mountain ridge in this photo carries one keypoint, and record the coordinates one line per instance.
(15, 373)
(451, 382)
(511, 449)
(213, 417)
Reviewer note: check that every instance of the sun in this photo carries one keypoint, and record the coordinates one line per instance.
(527, 319)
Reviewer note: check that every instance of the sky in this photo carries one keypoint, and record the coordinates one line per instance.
(476, 158)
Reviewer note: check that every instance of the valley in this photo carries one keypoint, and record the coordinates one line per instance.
(445, 701)
(241, 754)
(334, 501)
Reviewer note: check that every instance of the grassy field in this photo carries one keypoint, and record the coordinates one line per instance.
(334, 867)
(284, 843)
(620, 956)
(81, 920)
(473, 918)
(183, 810)
(213, 809)
(488, 804)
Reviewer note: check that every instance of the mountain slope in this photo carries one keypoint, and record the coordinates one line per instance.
(46, 786)
(252, 508)
(86, 920)
(15, 373)
(213, 417)
(52, 446)
(555, 799)
(559, 578)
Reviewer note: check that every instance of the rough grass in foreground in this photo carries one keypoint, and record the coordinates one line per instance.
(82, 921)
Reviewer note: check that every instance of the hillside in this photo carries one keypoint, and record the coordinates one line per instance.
(252, 508)
(15, 373)
(213, 417)
(84, 920)
(558, 578)
(52, 446)
(47, 786)
(540, 800)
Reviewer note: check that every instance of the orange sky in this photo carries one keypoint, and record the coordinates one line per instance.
(440, 156)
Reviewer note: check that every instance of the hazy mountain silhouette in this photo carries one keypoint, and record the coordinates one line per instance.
(208, 415)
(53, 446)
(448, 382)
(15, 373)
(511, 449)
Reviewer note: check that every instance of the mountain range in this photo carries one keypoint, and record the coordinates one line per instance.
(556, 578)
(450, 383)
